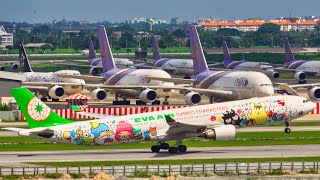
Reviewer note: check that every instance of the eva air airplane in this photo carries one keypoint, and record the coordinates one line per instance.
(213, 121)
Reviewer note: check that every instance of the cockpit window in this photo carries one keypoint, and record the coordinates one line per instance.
(76, 74)
(305, 101)
(265, 85)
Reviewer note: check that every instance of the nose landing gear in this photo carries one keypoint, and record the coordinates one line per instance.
(287, 129)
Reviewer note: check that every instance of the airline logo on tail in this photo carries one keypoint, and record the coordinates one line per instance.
(37, 110)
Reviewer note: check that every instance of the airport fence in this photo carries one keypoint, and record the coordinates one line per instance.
(271, 168)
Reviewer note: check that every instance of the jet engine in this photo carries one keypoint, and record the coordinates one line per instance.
(275, 75)
(98, 94)
(94, 71)
(314, 93)
(221, 133)
(2, 68)
(192, 98)
(300, 75)
(148, 95)
(56, 92)
(14, 66)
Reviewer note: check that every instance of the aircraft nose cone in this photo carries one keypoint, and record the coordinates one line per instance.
(267, 91)
(311, 106)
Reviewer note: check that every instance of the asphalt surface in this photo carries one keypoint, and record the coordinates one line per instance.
(145, 154)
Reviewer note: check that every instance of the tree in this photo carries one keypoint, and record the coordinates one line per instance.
(9, 47)
(269, 28)
(129, 51)
(117, 48)
(228, 32)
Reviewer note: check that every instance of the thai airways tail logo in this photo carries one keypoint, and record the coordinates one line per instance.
(37, 110)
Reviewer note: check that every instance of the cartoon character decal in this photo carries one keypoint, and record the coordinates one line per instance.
(150, 134)
(101, 130)
(258, 114)
(124, 131)
(277, 112)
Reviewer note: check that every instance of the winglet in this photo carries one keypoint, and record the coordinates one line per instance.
(199, 61)
(286, 87)
(92, 53)
(105, 50)
(226, 54)
(288, 51)
(24, 58)
(155, 50)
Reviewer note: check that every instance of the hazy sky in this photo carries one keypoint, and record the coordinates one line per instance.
(119, 10)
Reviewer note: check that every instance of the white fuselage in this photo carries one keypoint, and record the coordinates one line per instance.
(153, 126)
(244, 84)
(176, 66)
(308, 66)
(54, 78)
(255, 66)
(119, 62)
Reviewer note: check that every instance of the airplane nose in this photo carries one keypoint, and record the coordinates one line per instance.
(267, 91)
(311, 106)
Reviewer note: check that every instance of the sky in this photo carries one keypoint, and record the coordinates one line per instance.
(40, 11)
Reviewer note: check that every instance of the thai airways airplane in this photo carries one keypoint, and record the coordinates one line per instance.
(213, 121)
(49, 85)
(12, 64)
(241, 84)
(300, 68)
(243, 65)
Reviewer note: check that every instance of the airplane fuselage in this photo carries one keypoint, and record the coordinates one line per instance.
(244, 84)
(304, 65)
(137, 77)
(176, 66)
(251, 66)
(119, 62)
(153, 126)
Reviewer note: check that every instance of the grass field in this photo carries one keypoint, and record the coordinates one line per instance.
(173, 162)
(243, 139)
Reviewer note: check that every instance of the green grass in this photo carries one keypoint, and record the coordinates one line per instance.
(307, 123)
(173, 162)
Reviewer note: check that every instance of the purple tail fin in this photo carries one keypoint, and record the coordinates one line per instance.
(199, 61)
(155, 50)
(288, 52)
(105, 50)
(226, 54)
(92, 53)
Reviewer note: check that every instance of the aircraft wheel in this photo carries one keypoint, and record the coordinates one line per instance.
(287, 130)
(173, 150)
(155, 148)
(164, 146)
(182, 148)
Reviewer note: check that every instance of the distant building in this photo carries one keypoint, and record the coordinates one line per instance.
(176, 21)
(6, 39)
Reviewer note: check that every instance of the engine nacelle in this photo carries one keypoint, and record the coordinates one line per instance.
(275, 75)
(300, 75)
(56, 92)
(148, 95)
(314, 93)
(221, 133)
(2, 68)
(98, 94)
(94, 71)
(192, 98)
(14, 66)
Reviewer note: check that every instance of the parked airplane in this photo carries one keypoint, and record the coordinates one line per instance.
(213, 121)
(12, 64)
(300, 68)
(241, 84)
(49, 85)
(243, 65)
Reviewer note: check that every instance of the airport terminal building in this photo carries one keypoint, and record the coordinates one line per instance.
(6, 39)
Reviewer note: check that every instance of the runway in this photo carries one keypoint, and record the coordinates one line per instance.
(145, 154)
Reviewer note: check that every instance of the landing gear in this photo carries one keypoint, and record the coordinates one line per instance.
(166, 103)
(117, 102)
(302, 82)
(211, 99)
(55, 100)
(187, 77)
(156, 102)
(287, 129)
(44, 99)
(139, 102)
(173, 149)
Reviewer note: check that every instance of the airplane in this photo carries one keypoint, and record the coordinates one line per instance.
(214, 121)
(48, 85)
(300, 68)
(95, 64)
(12, 64)
(175, 66)
(243, 65)
(241, 84)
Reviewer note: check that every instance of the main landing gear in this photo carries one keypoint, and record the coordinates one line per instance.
(174, 149)
(287, 129)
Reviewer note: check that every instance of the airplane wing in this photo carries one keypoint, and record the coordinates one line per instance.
(174, 80)
(214, 64)
(294, 70)
(12, 76)
(39, 132)
(294, 86)
(78, 65)
(86, 78)
(288, 89)
(143, 65)
(50, 84)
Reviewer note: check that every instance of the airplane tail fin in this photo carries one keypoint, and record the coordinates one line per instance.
(288, 52)
(92, 53)
(155, 50)
(226, 54)
(105, 50)
(36, 112)
(199, 61)
(24, 59)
